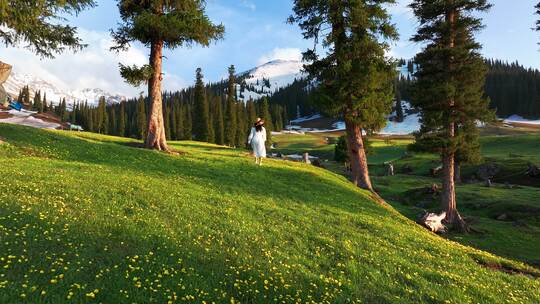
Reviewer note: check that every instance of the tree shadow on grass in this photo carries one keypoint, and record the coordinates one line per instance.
(229, 173)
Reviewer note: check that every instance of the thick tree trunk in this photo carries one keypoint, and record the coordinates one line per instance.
(448, 197)
(357, 156)
(156, 128)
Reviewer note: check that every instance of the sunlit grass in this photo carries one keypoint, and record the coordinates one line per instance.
(91, 218)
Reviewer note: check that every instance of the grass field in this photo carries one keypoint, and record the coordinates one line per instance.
(516, 237)
(90, 218)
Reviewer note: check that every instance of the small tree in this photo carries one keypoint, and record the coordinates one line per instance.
(160, 24)
(340, 151)
(35, 23)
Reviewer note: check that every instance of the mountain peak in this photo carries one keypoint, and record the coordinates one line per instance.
(17, 81)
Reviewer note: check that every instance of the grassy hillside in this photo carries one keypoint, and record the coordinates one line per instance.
(90, 218)
(517, 236)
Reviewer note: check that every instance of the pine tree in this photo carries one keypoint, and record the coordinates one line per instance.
(63, 110)
(112, 121)
(252, 112)
(45, 105)
(200, 111)
(141, 118)
(36, 25)
(355, 78)
(241, 121)
(230, 116)
(188, 123)
(265, 114)
(448, 88)
(37, 105)
(180, 121)
(90, 121)
(219, 128)
(211, 130)
(102, 120)
(122, 119)
(159, 24)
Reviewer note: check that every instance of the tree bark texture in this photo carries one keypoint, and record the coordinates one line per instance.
(156, 128)
(357, 156)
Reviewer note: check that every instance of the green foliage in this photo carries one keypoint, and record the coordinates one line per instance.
(355, 78)
(451, 74)
(538, 13)
(37, 25)
(141, 117)
(219, 126)
(172, 23)
(264, 113)
(231, 112)
(341, 152)
(200, 118)
(136, 76)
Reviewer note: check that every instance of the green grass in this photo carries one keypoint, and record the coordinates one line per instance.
(516, 238)
(312, 143)
(89, 218)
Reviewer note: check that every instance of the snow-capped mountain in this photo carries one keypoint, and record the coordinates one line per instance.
(17, 81)
(268, 78)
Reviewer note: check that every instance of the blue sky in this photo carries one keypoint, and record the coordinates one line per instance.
(256, 32)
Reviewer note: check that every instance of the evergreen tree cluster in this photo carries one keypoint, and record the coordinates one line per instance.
(199, 113)
(513, 89)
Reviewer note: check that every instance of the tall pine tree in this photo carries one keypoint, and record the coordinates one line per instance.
(141, 118)
(449, 85)
(355, 78)
(230, 116)
(219, 127)
(200, 111)
(158, 24)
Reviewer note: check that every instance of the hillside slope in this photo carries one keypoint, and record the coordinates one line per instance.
(90, 218)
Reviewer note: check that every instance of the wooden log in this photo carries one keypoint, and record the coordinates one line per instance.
(433, 222)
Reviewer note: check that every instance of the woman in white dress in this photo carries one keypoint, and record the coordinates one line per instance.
(257, 140)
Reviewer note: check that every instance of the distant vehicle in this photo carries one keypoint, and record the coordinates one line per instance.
(15, 105)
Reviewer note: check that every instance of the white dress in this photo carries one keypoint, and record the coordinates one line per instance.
(257, 141)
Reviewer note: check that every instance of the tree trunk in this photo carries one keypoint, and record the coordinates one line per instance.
(156, 128)
(448, 197)
(357, 156)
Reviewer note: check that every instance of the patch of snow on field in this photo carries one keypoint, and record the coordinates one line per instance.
(25, 118)
(410, 124)
(519, 119)
(306, 118)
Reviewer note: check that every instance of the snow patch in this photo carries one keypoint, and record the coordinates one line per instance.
(307, 118)
(518, 119)
(25, 118)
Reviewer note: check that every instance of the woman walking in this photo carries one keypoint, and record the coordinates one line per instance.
(257, 140)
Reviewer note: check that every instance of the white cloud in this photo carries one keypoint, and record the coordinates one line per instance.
(248, 4)
(94, 67)
(281, 54)
(401, 7)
